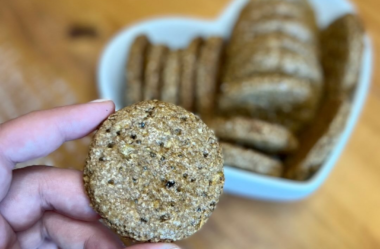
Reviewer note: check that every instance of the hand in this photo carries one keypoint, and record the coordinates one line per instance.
(46, 207)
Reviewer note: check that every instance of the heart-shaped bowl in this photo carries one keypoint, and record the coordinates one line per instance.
(177, 32)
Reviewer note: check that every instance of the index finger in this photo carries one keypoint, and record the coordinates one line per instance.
(39, 133)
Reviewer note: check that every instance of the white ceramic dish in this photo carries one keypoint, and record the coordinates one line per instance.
(177, 32)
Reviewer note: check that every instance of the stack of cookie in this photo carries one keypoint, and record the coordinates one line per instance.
(281, 100)
(183, 77)
(271, 82)
(272, 68)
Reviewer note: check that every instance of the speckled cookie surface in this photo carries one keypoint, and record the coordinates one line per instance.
(154, 172)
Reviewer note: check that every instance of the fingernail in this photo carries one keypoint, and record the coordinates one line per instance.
(169, 246)
(100, 100)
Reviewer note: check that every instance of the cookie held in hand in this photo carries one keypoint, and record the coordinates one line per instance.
(154, 172)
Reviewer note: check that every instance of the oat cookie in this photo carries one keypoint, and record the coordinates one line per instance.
(135, 70)
(189, 65)
(154, 172)
(271, 138)
(248, 159)
(207, 75)
(318, 141)
(342, 51)
(155, 60)
(171, 77)
(275, 41)
(274, 60)
(245, 32)
(294, 118)
(269, 91)
(259, 10)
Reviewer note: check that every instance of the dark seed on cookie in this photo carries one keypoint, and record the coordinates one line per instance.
(170, 184)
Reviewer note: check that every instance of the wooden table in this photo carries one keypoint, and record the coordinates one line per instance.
(48, 56)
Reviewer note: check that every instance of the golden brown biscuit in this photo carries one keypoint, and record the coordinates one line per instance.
(342, 54)
(135, 69)
(258, 10)
(155, 60)
(245, 32)
(268, 91)
(248, 159)
(271, 138)
(342, 51)
(154, 172)
(171, 77)
(294, 120)
(275, 41)
(207, 75)
(293, 117)
(272, 60)
(189, 65)
(317, 142)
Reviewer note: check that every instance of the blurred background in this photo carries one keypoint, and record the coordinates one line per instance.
(49, 52)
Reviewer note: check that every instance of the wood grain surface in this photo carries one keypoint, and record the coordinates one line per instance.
(48, 57)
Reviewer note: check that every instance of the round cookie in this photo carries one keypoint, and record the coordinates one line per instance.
(155, 60)
(189, 66)
(135, 69)
(293, 118)
(154, 172)
(251, 160)
(171, 77)
(207, 75)
(319, 139)
(342, 52)
(275, 41)
(269, 91)
(267, 137)
(274, 60)
(245, 31)
(258, 10)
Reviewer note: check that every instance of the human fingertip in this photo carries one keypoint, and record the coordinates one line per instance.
(168, 246)
(100, 100)
(154, 246)
(106, 105)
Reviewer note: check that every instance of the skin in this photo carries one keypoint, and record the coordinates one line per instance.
(46, 207)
